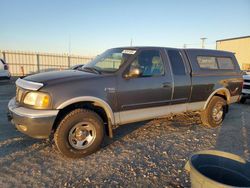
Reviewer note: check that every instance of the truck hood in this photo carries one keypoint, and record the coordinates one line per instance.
(59, 76)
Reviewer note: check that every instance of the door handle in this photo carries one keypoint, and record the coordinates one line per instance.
(166, 84)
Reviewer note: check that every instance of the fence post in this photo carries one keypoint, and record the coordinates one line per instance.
(4, 56)
(38, 63)
(68, 61)
(22, 71)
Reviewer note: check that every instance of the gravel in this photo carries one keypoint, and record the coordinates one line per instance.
(145, 154)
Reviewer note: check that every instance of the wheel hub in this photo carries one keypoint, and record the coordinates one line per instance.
(82, 135)
(217, 112)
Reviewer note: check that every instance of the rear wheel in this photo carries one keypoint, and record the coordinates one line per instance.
(79, 134)
(215, 112)
(243, 100)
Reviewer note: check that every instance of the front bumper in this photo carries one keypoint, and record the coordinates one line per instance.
(34, 123)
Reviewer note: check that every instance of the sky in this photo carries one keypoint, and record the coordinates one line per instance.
(90, 27)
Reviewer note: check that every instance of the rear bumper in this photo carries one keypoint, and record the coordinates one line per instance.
(34, 123)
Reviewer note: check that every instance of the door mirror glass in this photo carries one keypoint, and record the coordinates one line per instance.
(133, 73)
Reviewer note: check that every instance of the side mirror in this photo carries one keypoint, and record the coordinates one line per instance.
(133, 73)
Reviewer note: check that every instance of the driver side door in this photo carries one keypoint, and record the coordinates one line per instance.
(142, 97)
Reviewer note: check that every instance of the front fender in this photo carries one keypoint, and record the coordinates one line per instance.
(95, 100)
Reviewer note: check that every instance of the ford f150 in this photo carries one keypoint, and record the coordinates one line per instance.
(124, 85)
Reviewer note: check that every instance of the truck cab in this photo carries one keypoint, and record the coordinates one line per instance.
(124, 85)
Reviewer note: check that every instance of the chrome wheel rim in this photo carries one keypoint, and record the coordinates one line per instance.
(82, 135)
(217, 112)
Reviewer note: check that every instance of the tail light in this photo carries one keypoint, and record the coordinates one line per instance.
(6, 67)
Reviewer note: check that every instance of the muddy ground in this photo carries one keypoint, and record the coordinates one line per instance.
(147, 154)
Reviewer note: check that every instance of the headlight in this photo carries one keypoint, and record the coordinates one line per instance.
(37, 99)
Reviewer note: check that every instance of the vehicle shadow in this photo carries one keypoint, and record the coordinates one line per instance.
(16, 144)
(5, 82)
(24, 149)
(234, 135)
(123, 131)
(182, 122)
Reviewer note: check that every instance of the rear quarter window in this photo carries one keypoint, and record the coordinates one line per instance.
(225, 63)
(210, 62)
(206, 62)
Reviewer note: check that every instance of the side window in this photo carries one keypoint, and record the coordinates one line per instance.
(206, 62)
(225, 63)
(150, 63)
(176, 62)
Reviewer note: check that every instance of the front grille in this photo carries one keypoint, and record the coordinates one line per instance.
(19, 94)
(246, 86)
(247, 81)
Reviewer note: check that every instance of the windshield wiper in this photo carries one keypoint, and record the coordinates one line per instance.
(92, 69)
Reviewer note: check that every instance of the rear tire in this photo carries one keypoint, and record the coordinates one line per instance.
(79, 133)
(243, 100)
(215, 112)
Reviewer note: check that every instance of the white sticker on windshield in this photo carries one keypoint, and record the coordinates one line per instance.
(128, 51)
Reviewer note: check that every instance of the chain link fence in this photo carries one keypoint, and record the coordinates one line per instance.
(24, 63)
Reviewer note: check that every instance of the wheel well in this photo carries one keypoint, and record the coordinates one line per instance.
(221, 95)
(221, 92)
(86, 105)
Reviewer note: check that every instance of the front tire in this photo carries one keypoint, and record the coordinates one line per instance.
(79, 133)
(215, 112)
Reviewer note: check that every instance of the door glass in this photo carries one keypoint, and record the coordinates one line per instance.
(149, 62)
(176, 62)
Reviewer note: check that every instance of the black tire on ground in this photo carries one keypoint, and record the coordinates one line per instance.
(66, 128)
(208, 117)
(243, 100)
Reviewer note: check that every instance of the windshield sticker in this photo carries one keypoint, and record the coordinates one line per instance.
(128, 51)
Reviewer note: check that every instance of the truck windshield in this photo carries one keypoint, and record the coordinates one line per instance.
(110, 61)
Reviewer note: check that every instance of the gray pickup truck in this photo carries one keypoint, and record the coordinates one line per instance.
(121, 86)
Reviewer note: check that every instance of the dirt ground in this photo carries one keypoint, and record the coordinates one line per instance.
(147, 154)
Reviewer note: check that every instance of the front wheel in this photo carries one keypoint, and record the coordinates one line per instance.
(79, 134)
(215, 112)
